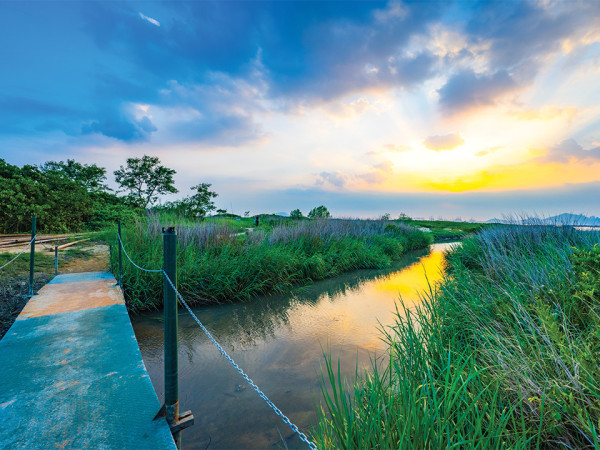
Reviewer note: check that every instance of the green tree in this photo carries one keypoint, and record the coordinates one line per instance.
(200, 204)
(319, 212)
(91, 177)
(61, 200)
(196, 205)
(296, 214)
(144, 178)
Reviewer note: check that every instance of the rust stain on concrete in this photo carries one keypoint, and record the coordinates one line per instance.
(67, 297)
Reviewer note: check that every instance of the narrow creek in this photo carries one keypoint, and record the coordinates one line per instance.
(279, 341)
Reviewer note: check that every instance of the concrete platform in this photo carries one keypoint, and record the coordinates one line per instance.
(72, 375)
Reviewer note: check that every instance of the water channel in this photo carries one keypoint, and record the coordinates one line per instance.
(279, 341)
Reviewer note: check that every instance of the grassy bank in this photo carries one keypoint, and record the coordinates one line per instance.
(447, 230)
(217, 263)
(504, 353)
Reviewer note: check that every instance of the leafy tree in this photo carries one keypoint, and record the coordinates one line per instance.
(197, 205)
(385, 216)
(91, 177)
(61, 202)
(296, 214)
(200, 204)
(145, 179)
(319, 212)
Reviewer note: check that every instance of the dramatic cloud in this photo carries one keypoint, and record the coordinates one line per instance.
(444, 142)
(467, 90)
(298, 93)
(522, 34)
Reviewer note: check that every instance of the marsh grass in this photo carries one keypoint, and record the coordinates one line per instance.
(14, 284)
(504, 353)
(216, 263)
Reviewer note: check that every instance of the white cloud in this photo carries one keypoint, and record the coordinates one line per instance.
(150, 19)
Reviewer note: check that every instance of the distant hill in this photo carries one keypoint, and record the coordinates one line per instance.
(560, 219)
(573, 219)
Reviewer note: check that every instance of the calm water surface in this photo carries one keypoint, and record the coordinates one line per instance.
(279, 341)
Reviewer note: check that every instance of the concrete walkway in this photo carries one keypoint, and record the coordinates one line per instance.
(72, 375)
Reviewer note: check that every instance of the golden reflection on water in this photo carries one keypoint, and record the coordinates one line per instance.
(279, 341)
(421, 274)
(354, 317)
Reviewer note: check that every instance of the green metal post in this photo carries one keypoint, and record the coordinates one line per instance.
(120, 258)
(170, 334)
(55, 260)
(32, 255)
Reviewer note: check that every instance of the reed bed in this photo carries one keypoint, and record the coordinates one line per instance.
(504, 353)
(217, 263)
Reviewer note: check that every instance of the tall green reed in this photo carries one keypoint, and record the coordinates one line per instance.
(505, 352)
(216, 263)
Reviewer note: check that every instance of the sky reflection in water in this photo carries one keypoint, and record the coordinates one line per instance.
(279, 341)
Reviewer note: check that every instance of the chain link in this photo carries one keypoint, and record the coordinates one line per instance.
(22, 251)
(141, 268)
(277, 411)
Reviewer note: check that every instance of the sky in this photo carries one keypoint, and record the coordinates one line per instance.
(433, 109)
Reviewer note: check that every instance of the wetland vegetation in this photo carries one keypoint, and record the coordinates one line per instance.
(503, 353)
(219, 263)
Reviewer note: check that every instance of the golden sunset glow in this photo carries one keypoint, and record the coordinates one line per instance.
(438, 100)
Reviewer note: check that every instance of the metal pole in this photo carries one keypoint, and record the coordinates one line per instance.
(170, 334)
(120, 258)
(32, 256)
(55, 260)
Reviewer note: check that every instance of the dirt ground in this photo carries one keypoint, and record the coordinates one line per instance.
(14, 281)
(98, 261)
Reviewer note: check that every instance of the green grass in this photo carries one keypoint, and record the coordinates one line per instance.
(504, 353)
(217, 264)
(44, 262)
(445, 230)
